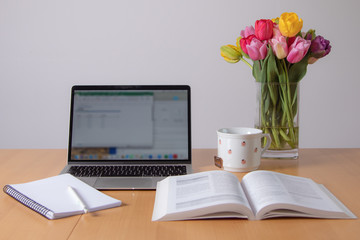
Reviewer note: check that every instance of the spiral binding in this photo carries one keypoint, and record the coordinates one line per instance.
(26, 201)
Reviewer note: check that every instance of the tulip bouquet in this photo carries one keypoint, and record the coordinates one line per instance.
(280, 53)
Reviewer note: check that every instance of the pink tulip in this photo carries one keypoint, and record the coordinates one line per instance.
(279, 47)
(249, 30)
(276, 31)
(257, 50)
(279, 44)
(298, 49)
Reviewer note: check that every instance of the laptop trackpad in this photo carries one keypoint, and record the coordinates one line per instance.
(125, 183)
(89, 180)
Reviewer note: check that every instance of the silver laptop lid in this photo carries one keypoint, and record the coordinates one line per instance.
(130, 124)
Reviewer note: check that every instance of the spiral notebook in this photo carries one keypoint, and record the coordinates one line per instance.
(52, 198)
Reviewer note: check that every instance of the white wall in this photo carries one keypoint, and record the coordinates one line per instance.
(46, 46)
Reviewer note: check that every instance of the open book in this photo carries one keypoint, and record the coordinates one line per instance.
(60, 196)
(260, 195)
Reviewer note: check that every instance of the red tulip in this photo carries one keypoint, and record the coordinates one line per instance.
(244, 42)
(264, 29)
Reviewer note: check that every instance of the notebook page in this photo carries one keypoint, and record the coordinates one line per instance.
(54, 194)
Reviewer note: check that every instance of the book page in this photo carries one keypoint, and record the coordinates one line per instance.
(265, 188)
(197, 194)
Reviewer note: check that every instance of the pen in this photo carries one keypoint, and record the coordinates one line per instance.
(77, 196)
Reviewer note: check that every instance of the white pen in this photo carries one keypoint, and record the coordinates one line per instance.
(77, 196)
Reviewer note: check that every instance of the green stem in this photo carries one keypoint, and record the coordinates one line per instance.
(242, 59)
(274, 128)
(288, 107)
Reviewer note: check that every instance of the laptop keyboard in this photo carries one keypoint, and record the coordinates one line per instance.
(127, 171)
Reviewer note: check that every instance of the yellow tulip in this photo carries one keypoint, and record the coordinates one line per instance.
(231, 53)
(290, 24)
(275, 20)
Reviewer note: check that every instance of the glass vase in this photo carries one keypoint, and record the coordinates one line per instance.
(278, 114)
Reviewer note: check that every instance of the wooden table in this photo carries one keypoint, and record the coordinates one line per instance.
(337, 169)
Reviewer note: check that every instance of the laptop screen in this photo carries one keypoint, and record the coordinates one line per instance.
(130, 123)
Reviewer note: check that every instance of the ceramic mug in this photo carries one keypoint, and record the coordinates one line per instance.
(239, 149)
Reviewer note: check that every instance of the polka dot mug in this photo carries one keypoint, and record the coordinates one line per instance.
(239, 149)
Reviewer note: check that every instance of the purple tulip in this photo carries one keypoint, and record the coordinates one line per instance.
(320, 47)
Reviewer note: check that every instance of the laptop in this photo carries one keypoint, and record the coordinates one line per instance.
(129, 137)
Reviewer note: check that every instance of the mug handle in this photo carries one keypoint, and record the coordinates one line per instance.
(268, 142)
(218, 162)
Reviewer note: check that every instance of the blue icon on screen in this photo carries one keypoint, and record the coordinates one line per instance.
(112, 150)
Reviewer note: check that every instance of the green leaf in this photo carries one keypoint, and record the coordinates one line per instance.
(272, 68)
(258, 71)
(298, 70)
